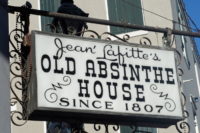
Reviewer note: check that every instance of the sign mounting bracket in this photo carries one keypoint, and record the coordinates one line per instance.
(167, 38)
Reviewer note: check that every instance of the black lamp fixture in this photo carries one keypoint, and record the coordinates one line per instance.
(68, 26)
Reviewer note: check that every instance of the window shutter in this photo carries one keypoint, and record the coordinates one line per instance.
(125, 11)
(113, 9)
(48, 5)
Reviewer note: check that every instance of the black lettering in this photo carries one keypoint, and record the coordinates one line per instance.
(90, 67)
(74, 102)
(140, 96)
(69, 47)
(145, 56)
(64, 102)
(83, 88)
(159, 108)
(95, 105)
(46, 66)
(56, 66)
(147, 70)
(158, 73)
(97, 85)
(170, 72)
(126, 89)
(71, 69)
(136, 107)
(148, 108)
(124, 77)
(86, 104)
(102, 69)
(112, 96)
(108, 105)
(139, 53)
(133, 72)
(114, 68)
(126, 106)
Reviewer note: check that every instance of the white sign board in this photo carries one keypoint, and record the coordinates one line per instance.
(90, 76)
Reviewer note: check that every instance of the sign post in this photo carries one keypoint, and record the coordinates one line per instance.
(102, 81)
(4, 70)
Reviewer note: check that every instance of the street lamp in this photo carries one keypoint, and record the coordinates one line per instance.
(68, 26)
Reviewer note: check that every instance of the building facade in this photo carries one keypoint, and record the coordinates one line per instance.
(157, 13)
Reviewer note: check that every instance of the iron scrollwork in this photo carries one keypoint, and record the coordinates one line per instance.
(145, 41)
(182, 126)
(20, 69)
(98, 127)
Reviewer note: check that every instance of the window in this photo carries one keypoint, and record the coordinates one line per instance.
(48, 5)
(125, 11)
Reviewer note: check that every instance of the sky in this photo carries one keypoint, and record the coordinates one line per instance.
(193, 9)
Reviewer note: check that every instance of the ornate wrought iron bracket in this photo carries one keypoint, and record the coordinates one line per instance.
(182, 126)
(19, 69)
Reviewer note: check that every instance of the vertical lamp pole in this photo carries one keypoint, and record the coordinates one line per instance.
(69, 27)
(4, 70)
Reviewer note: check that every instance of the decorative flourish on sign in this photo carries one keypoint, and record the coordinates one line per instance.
(50, 94)
(169, 104)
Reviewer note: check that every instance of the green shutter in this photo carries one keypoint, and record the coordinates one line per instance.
(113, 9)
(126, 129)
(127, 11)
(48, 5)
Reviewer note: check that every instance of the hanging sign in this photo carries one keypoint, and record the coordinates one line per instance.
(100, 81)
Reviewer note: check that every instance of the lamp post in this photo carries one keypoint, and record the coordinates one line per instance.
(69, 27)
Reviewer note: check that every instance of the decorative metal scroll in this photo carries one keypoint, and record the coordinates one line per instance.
(110, 36)
(182, 126)
(18, 71)
(105, 127)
